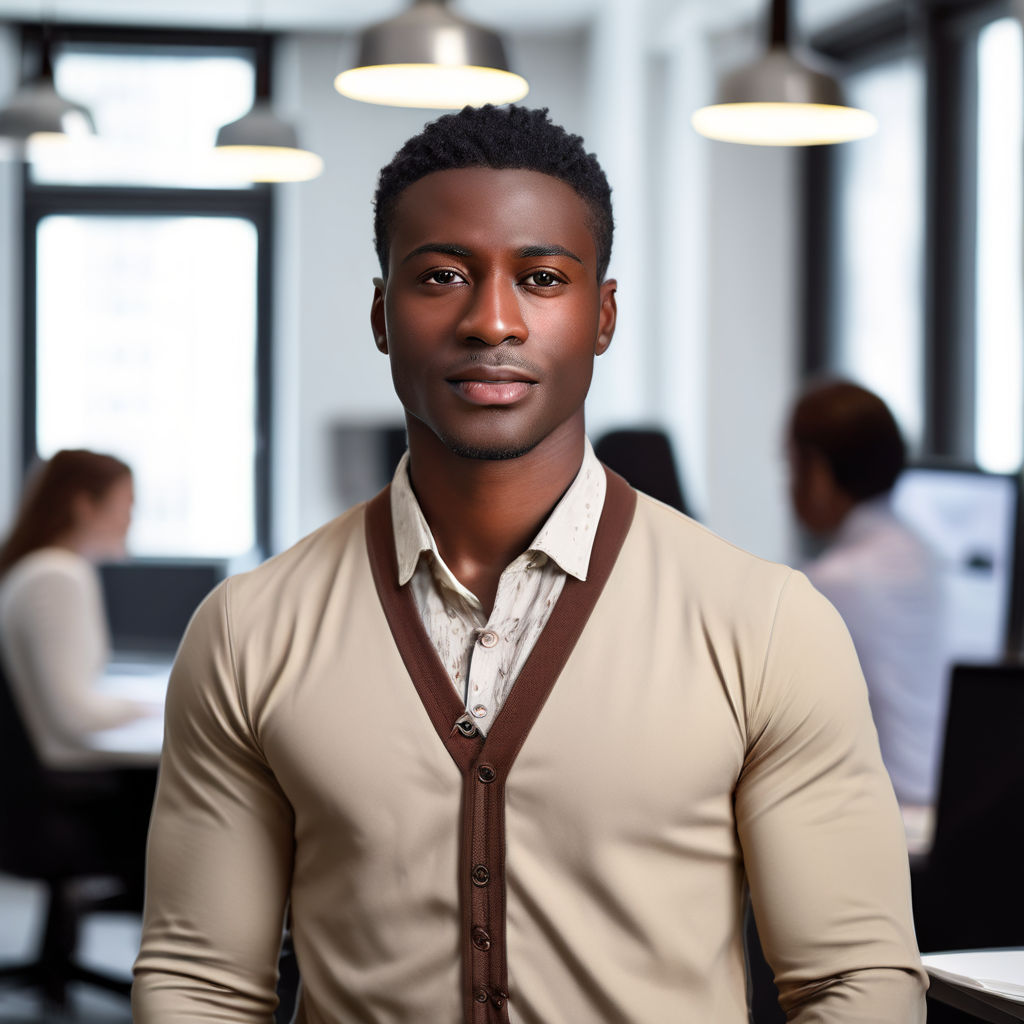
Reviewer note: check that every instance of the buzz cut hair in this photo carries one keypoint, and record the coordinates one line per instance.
(501, 138)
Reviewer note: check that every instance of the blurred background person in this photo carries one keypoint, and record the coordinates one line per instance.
(846, 453)
(54, 639)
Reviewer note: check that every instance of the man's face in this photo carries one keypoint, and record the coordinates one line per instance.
(492, 313)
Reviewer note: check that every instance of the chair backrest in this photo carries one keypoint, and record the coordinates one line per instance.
(974, 868)
(22, 777)
(644, 457)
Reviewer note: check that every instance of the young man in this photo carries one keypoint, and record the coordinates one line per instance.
(512, 739)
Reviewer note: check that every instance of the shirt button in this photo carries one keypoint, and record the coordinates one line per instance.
(485, 773)
(488, 638)
(481, 876)
(481, 995)
(479, 710)
(481, 939)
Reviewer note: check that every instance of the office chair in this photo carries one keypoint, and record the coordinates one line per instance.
(55, 827)
(643, 456)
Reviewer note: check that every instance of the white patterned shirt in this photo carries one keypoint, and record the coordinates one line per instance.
(483, 655)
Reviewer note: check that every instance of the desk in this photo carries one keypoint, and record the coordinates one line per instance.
(138, 742)
(987, 983)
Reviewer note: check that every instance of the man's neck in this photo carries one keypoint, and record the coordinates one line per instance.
(483, 513)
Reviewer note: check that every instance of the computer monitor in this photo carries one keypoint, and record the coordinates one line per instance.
(971, 519)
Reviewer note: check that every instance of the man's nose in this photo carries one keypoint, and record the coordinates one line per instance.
(494, 315)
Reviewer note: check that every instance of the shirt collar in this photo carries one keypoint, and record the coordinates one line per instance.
(566, 537)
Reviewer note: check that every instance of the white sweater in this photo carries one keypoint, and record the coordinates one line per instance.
(55, 644)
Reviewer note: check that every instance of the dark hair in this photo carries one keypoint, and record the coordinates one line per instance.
(47, 505)
(502, 138)
(854, 431)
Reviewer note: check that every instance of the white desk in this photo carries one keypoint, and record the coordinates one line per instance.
(138, 742)
(988, 983)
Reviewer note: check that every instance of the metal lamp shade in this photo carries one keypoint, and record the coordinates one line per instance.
(781, 100)
(262, 147)
(429, 57)
(37, 108)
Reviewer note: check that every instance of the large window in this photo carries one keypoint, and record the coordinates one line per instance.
(147, 285)
(146, 346)
(915, 270)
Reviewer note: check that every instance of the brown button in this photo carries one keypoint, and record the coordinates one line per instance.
(485, 773)
(481, 995)
(488, 638)
(481, 876)
(481, 939)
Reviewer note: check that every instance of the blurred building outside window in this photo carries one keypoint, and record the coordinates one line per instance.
(146, 346)
(999, 370)
(881, 231)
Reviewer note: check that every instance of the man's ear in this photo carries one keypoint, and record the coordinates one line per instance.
(377, 320)
(608, 315)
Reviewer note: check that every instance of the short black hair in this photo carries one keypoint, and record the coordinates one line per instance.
(502, 138)
(856, 434)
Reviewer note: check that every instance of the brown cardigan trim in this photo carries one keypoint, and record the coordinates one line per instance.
(485, 764)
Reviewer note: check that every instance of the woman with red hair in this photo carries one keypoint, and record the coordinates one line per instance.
(54, 638)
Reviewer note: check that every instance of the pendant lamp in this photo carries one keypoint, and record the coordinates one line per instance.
(260, 146)
(782, 100)
(427, 56)
(37, 109)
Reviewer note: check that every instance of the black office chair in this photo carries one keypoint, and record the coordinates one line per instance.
(968, 893)
(644, 457)
(66, 829)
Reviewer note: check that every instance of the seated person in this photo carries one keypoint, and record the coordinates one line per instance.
(846, 454)
(53, 632)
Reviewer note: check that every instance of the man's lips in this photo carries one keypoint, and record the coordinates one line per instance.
(492, 391)
(491, 385)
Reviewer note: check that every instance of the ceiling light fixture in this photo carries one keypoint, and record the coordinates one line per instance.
(37, 111)
(261, 146)
(427, 56)
(782, 100)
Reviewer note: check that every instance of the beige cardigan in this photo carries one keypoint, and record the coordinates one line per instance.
(549, 875)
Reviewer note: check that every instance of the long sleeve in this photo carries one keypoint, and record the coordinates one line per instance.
(220, 848)
(820, 831)
(55, 644)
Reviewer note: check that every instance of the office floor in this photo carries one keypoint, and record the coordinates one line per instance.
(108, 941)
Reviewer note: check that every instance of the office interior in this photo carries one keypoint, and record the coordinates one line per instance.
(744, 272)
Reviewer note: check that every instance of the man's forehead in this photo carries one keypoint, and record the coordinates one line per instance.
(488, 200)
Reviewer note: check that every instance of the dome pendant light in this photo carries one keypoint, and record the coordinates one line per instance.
(781, 100)
(260, 146)
(429, 57)
(38, 111)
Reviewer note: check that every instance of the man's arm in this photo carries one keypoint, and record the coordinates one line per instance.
(220, 848)
(821, 832)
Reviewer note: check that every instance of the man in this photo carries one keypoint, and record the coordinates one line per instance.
(512, 738)
(846, 455)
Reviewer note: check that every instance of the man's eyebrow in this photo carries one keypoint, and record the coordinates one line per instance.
(444, 248)
(532, 251)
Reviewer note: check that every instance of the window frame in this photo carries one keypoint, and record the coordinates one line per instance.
(254, 203)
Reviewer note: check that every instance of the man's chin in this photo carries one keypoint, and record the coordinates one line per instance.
(486, 452)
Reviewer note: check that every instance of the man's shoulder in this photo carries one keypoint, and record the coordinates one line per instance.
(306, 570)
(691, 547)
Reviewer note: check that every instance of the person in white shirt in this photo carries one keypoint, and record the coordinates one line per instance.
(54, 639)
(846, 453)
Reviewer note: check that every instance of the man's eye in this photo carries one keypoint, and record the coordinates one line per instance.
(543, 279)
(442, 277)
